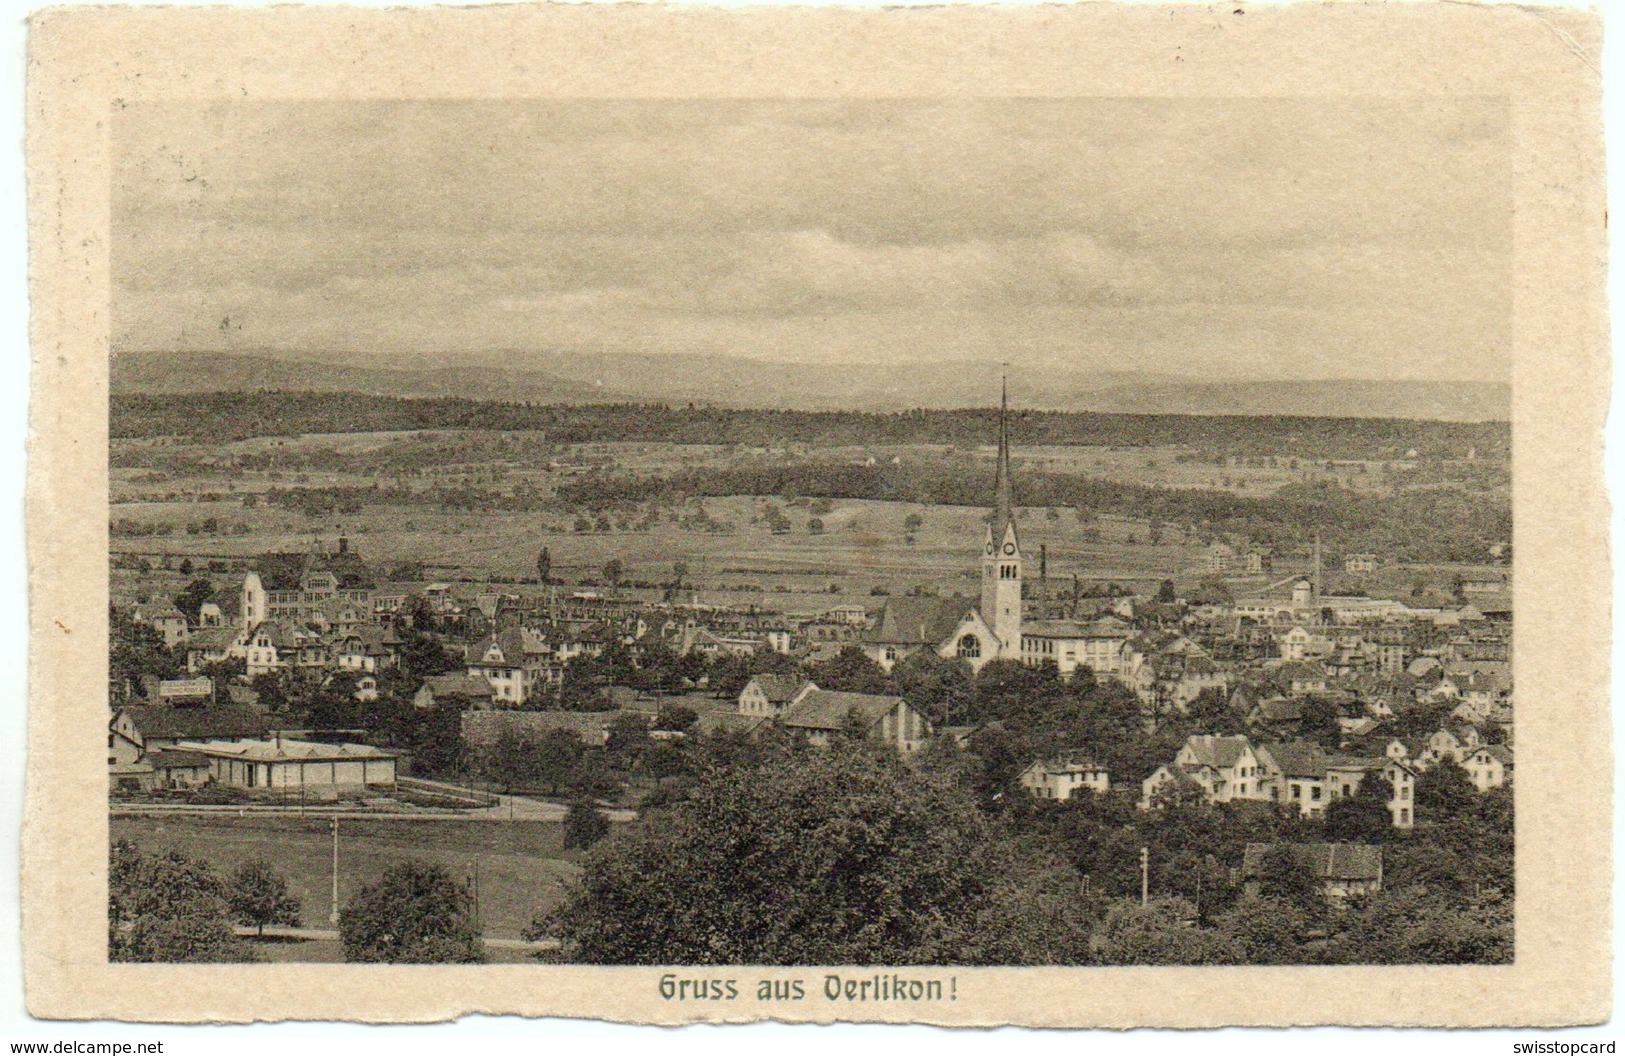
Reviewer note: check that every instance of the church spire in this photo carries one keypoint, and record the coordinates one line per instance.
(1001, 479)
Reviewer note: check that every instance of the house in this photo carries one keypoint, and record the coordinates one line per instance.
(1489, 767)
(821, 715)
(174, 769)
(1301, 775)
(1456, 741)
(772, 694)
(1219, 557)
(1360, 564)
(1223, 768)
(1300, 677)
(511, 661)
(274, 646)
(365, 647)
(213, 645)
(706, 642)
(438, 691)
(1279, 715)
(1343, 869)
(1057, 778)
(152, 728)
(296, 768)
(166, 619)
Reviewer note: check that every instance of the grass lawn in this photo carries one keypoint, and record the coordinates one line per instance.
(521, 866)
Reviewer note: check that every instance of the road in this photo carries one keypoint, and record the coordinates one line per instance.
(507, 808)
(275, 931)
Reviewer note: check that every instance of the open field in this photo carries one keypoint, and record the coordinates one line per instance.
(864, 546)
(521, 866)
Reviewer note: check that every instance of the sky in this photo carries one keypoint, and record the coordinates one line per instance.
(1195, 238)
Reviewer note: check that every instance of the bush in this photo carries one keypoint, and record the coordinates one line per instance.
(584, 825)
(417, 914)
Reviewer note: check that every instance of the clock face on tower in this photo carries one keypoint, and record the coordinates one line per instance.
(1010, 548)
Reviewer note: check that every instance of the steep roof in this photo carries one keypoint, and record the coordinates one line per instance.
(918, 621)
(458, 685)
(825, 709)
(1073, 762)
(152, 720)
(1295, 758)
(778, 689)
(1328, 861)
(211, 638)
(1212, 750)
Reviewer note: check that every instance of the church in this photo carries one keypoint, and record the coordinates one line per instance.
(987, 631)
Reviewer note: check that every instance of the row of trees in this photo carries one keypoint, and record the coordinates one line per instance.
(174, 908)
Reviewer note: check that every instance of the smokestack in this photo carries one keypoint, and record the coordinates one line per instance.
(1043, 581)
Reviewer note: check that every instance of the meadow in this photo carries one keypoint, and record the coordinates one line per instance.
(522, 868)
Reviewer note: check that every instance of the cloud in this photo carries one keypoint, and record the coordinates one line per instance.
(1306, 233)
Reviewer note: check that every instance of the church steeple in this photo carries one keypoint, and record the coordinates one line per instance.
(1001, 550)
(1001, 477)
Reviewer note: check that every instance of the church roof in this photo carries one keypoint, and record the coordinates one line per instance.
(918, 621)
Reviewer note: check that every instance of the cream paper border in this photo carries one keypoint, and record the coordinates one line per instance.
(83, 62)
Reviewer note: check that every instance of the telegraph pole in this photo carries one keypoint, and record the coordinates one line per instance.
(334, 916)
(1145, 876)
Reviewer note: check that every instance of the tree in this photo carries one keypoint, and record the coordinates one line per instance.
(676, 717)
(258, 895)
(544, 567)
(422, 655)
(167, 907)
(850, 671)
(416, 914)
(185, 566)
(939, 687)
(913, 523)
(1265, 930)
(614, 570)
(814, 857)
(584, 825)
(815, 526)
(1364, 816)
(1444, 791)
(1285, 874)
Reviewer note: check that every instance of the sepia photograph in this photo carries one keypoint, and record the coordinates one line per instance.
(1047, 517)
(812, 532)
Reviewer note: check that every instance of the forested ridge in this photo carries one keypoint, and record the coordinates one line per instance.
(237, 415)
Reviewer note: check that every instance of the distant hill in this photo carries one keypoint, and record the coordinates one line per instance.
(1455, 401)
(679, 378)
(180, 372)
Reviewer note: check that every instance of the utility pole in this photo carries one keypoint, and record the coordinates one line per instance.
(1145, 876)
(333, 917)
